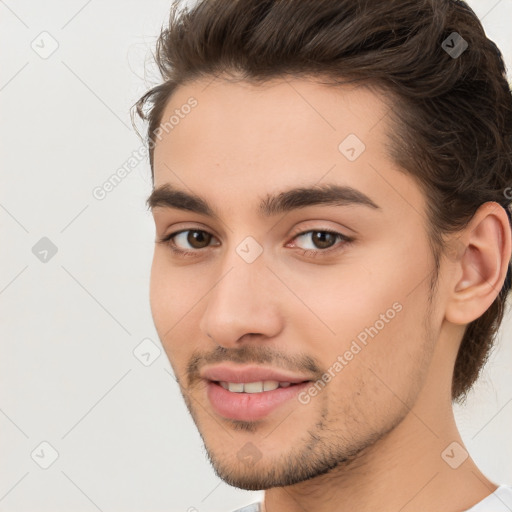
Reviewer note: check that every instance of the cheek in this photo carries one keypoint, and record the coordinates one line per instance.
(384, 365)
(342, 301)
(374, 384)
(368, 292)
(172, 297)
(372, 323)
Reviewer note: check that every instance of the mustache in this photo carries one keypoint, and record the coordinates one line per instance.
(251, 354)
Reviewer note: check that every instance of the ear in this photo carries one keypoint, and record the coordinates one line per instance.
(483, 256)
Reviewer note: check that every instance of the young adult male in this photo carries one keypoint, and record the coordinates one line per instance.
(331, 202)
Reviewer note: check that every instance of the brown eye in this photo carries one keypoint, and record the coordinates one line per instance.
(198, 239)
(187, 240)
(323, 239)
(319, 239)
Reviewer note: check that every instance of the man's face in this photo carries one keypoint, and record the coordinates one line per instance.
(351, 318)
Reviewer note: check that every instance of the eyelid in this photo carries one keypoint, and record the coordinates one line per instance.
(343, 240)
(168, 238)
(302, 231)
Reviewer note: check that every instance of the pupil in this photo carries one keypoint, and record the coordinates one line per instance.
(320, 240)
(197, 236)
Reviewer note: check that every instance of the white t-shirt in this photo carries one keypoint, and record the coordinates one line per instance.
(499, 501)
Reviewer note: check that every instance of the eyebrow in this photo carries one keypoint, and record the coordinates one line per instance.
(167, 196)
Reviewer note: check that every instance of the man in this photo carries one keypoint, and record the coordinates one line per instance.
(331, 192)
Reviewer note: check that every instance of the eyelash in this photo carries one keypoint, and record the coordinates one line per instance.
(168, 240)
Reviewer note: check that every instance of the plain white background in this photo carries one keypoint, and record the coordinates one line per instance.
(69, 325)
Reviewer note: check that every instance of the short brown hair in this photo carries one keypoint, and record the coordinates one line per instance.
(452, 113)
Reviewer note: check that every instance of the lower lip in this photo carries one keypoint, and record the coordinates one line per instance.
(249, 406)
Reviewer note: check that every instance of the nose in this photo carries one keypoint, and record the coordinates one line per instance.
(243, 301)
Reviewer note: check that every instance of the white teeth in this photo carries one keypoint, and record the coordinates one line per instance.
(252, 387)
(270, 385)
(237, 387)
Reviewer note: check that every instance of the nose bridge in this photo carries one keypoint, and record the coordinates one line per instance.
(241, 300)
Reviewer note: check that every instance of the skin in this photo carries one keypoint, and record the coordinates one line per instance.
(372, 439)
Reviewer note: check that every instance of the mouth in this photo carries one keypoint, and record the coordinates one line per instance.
(255, 387)
(252, 401)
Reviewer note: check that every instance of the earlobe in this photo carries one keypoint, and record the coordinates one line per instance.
(482, 266)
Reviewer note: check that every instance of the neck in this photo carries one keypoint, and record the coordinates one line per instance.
(407, 470)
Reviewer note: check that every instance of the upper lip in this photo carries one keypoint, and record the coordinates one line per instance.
(222, 373)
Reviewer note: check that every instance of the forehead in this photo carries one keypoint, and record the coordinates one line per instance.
(262, 122)
(250, 138)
